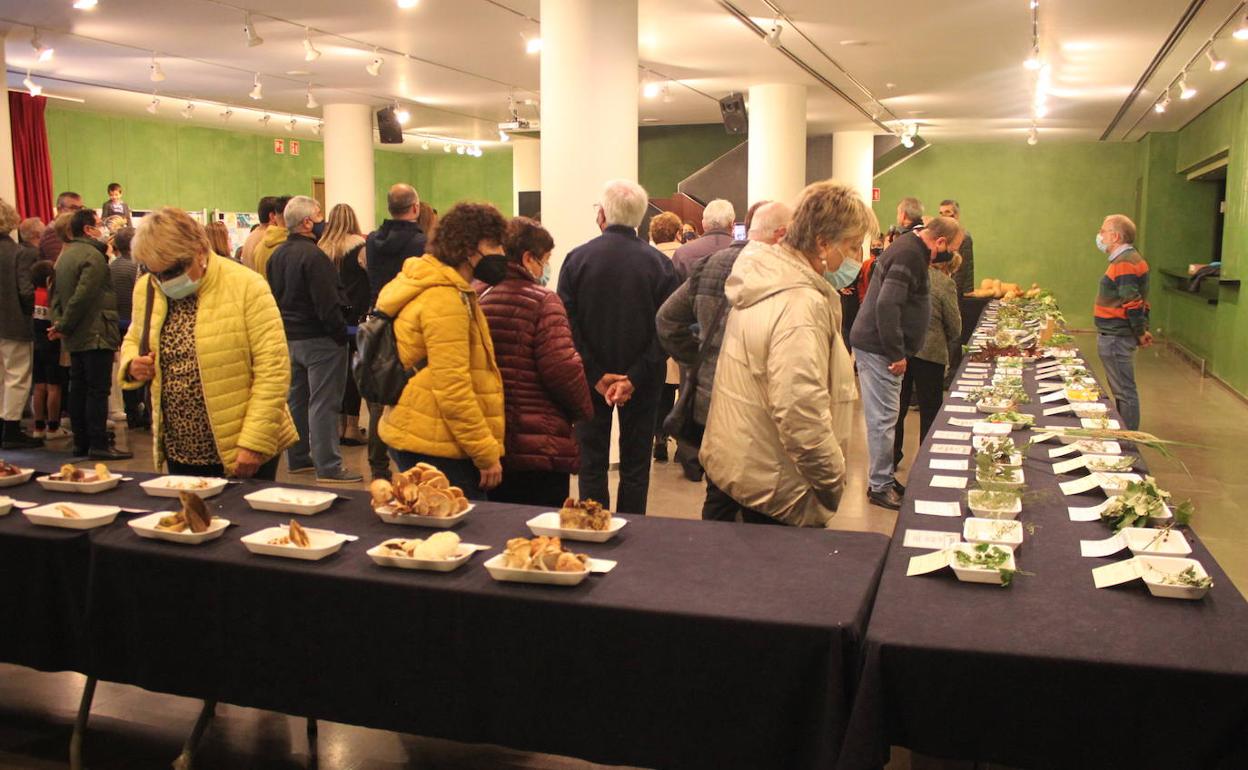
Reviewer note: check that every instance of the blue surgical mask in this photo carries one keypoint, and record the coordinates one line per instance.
(1100, 243)
(845, 275)
(545, 276)
(181, 287)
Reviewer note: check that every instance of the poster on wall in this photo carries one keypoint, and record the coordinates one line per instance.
(239, 223)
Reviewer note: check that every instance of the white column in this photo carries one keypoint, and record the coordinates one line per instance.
(526, 168)
(777, 147)
(853, 160)
(8, 182)
(348, 137)
(589, 111)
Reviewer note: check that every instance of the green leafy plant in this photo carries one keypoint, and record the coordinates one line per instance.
(1187, 578)
(987, 556)
(1141, 501)
(1012, 417)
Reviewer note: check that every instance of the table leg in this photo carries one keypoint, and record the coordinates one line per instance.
(313, 761)
(186, 759)
(80, 724)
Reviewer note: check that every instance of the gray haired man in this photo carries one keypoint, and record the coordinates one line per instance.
(308, 293)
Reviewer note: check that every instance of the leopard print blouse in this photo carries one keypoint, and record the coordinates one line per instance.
(187, 433)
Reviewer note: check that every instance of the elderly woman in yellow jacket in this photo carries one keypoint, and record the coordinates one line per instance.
(451, 412)
(215, 353)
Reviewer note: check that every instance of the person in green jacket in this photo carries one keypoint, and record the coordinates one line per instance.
(84, 318)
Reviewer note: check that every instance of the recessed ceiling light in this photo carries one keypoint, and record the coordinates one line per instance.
(405, 4)
(890, 86)
(85, 5)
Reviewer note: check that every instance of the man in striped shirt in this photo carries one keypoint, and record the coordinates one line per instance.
(1121, 313)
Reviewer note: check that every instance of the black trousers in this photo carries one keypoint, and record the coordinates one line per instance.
(545, 488)
(636, 437)
(378, 457)
(927, 380)
(667, 400)
(266, 472)
(720, 507)
(90, 382)
(351, 393)
(459, 472)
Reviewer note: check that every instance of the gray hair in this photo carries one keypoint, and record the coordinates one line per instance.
(299, 208)
(912, 209)
(624, 203)
(952, 204)
(718, 215)
(770, 217)
(1122, 224)
(401, 198)
(8, 217)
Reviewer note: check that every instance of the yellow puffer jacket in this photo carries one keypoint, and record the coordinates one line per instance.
(244, 365)
(274, 236)
(453, 407)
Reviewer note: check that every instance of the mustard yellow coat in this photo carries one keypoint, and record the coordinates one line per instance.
(244, 365)
(453, 407)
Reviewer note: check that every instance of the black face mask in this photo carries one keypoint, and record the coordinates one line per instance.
(876, 252)
(942, 256)
(492, 269)
(317, 229)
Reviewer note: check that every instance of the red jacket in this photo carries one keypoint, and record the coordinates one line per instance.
(544, 387)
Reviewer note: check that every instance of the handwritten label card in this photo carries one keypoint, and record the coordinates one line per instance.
(1049, 398)
(962, 422)
(1062, 451)
(1058, 410)
(934, 508)
(1074, 464)
(1092, 513)
(960, 408)
(952, 435)
(1079, 486)
(949, 482)
(928, 562)
(948, 465)
(1098, 548)
(1043, 436)
(951, 449)
(1049, 387)
(959, 394)
(1116, 573)
(929, 539)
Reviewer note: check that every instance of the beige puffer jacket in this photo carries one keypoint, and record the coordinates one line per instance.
(769, 441)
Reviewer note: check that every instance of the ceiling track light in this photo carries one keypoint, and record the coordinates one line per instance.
(1215, 64)
(1162, 103)
(446, 147)
(1033, 62)
(292, 124)
(401, 114)
(312, 103)
(43, 53)
(532, 45)
(1185, 91)
(34, 88)
(153, 105)
(407, 4)
(503, 136)
(249, 29)
(459, 149)
(264, 121)
(649, 89)
(772, 38)
(1241, 32)
(317, 126)
(374, 67)
(229, 113)
(668, 97)
(310, 53)
(189, 112)
(257, 90)
(157, 72)
(1033, 137)
(424, 145)
(85, 5)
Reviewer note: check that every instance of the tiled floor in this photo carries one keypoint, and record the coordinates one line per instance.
(137, 730)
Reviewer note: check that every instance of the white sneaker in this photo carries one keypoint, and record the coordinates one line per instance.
(36, 433)
(117, 416)
(59, 433)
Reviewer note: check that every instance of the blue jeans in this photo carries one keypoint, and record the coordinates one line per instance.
(881, 400)
(1118, 356)
(318, 375)
(460, 473)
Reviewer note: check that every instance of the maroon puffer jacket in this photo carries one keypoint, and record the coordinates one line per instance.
(544, 388)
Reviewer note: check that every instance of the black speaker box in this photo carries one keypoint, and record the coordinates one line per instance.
(732, 107)
(388, 126)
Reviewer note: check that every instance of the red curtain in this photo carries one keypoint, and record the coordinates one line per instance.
(32, 165)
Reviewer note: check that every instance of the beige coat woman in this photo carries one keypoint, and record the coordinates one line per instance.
(769, 440)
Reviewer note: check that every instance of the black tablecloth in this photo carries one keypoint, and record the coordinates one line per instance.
(710, 645)
(1051, 671)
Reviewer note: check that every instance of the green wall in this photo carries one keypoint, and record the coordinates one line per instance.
(668, 154)
(161, 162)
(1034, 211)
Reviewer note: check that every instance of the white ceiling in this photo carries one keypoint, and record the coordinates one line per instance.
(956, 68)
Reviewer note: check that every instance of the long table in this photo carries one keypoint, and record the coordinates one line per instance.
(1050, 671)
(709, 645)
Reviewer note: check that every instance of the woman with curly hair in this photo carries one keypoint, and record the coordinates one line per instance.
(450, 414)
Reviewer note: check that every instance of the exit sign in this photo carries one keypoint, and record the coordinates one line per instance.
(294, 146)
(875, 194)
(279, 146)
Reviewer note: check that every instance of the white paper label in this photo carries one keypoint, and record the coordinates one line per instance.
(1058, 409)
(1092, 513)
(949, 482)
(1098, 548)
(929, 539)
(928, 562)
(948, 465)
(1049, 398)
(1049, 387)
(934, 508)
(960, 408)
(23, 505)
(1062, 451)
(951, 449)
(963, 422)
(1048, 375)
(1078, 486)
(1040, 438)
(952, 435)
(1115, 574)
(959, 394)
(1066, 466)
